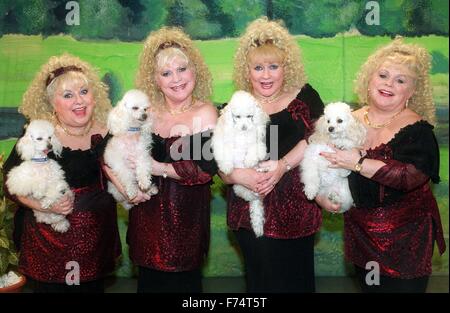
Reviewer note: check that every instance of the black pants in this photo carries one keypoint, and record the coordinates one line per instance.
(96, 286)
(153, 281)
(277, 265)
(390, 284)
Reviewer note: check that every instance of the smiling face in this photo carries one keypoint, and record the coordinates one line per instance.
(266, 70)
(391, 86)
(175, 76)
(72, 99)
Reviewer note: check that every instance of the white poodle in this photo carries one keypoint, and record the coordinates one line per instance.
(339, 128)
(239, 142)
(130, 124)
(38, 176)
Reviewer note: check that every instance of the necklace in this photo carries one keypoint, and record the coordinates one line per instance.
(268, 100)
(373, 125)
(67, 132)
(183, 108)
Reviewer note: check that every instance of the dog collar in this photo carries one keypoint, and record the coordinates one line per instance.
(39, 160)
(134, 129)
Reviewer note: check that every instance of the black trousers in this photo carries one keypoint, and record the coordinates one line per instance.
(390, 284)
(153, 281)
(277, 265)
(95, 286)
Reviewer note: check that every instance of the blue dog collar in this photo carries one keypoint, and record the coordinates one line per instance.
(134, 129)
(39, 160)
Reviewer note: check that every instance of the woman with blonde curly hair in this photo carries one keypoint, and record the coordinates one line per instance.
(268, 65)
(68, 93)
(395, 220)
(168, 235)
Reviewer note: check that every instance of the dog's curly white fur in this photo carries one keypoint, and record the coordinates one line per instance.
(337, 127)
(38, 177)
(130, 124)
(239, 142)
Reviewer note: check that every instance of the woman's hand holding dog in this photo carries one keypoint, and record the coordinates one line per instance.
(342, 158)
(247, 177)
(64, 206)
(327, 204)
(273, 171)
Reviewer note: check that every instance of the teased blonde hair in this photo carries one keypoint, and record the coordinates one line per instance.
(164, 38)
(264, 32)
(417, 59)
(36, 103)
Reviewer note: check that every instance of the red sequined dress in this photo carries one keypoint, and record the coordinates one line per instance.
(170, 232)
(396, 219)
(288, 213)
(92, 239)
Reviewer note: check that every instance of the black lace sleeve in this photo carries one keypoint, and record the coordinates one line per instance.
(417, 145)
(201, 152)
(311, 97)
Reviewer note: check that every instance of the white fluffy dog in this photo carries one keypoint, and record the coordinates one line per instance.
(339, 128)
(239, 142)
(39, 177)
(130, 125)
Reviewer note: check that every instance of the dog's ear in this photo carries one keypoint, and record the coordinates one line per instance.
(25, 147)
(227, 117)
(118, 119)
(356, 131)
(320, 134)
(56, 145)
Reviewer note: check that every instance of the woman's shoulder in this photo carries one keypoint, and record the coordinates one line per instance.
(207, 112)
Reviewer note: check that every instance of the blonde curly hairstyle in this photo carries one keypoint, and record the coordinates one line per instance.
(36, 101)
(264, 32)
(164, 38)
(417, 59)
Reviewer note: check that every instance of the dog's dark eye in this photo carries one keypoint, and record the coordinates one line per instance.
(49, 137)
(135, 108)
(145, 110)
(39, 138)
(238, 116)
(339, 120)
(249, 116)
(328, 121)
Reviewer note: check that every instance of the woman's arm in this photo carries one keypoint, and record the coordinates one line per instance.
(140, 196)
(347, 159)
(63, 206)
(247, 177)
(164, 169)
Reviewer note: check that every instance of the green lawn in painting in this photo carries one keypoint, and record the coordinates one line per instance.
(331, 63)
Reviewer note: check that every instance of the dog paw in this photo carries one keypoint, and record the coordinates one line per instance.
(153, 190)
(144, 184)
(61, 226)
(310, 192)
(334, 197)
(127, 205)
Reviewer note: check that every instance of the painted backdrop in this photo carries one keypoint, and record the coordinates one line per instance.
(336, 36)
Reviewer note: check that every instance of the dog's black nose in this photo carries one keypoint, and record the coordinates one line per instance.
(244, 127)
(331, 129)
(144, 116)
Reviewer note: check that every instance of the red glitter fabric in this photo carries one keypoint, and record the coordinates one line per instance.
(92, 240)
(170, 232)
(288, 213)
(398, 234)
